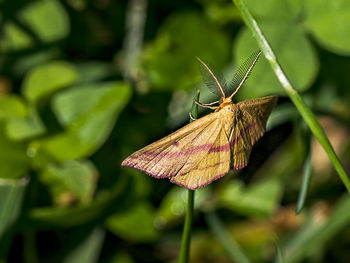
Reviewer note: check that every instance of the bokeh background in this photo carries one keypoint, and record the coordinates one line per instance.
(84, 83)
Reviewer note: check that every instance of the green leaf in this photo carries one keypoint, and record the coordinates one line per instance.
(88, 113)
(282, 114)
(32, 60)
(14, 161)
(173, 205)
(74, 104)
(14, 38)
(169, 62)
(88, 250)
(75, 177)
(47, 18)
(48, 78)
(11, 196)
(64, 217)
(12, 106)
(22, 128)
(90, 71)
(274, 9)
(142, 184)
(259, 200)
(295, 55)
(326, 22)
(135, 224)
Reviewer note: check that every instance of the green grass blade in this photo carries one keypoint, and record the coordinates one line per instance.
(11, 199)
(279, 256)
(303, 109)
(305, 183)
(11, 196)
(222, 235)
(89, 249)
(315, 235)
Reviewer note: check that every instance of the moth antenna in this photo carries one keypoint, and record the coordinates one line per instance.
(246, 74)
(213, 76)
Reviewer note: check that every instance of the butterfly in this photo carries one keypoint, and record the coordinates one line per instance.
(208, 147)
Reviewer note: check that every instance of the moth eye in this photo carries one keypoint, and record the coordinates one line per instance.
(221, 100)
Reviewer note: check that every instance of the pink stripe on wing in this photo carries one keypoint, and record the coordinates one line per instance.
(142, 156)
(221, 148)
(243, 131)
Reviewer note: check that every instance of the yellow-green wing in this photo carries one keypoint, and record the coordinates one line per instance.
(181, 149)
(249, 126)
(215, 164)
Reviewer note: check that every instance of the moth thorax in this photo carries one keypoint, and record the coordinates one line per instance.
(238, 113)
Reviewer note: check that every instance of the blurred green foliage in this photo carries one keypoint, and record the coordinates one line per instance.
(72, 108)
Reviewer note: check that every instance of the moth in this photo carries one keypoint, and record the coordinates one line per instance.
(208, 147)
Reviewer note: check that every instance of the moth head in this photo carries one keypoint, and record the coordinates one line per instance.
(224, 102)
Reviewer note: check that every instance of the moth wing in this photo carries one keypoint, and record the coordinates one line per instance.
(241, 146)
(166, 157)
(214, 165)
(249, 127)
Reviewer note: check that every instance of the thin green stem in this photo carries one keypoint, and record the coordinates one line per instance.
(303, 109)
(186, 234)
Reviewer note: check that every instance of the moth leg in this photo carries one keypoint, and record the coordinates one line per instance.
(231, 134)
(206, 105)
(191, 116)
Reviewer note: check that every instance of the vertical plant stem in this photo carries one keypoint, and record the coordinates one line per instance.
(186, 234)
(132, 48)
(299, 103)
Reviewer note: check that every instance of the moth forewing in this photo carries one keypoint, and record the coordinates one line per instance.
(258, 109)
(214, 165)
(249, 127)
(166, 157)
